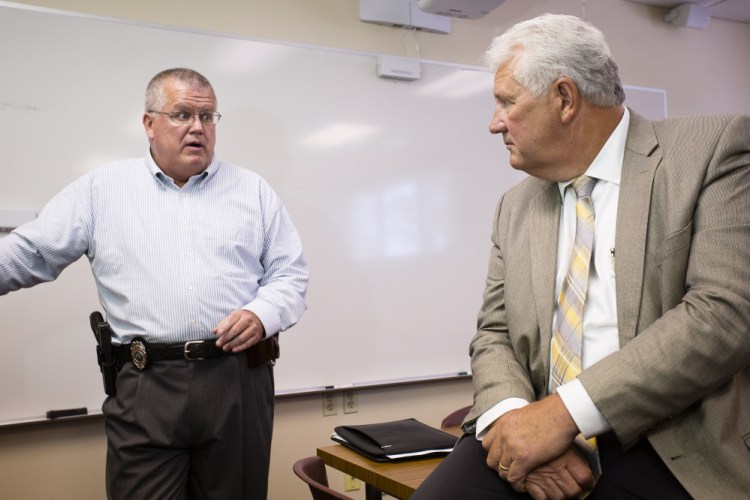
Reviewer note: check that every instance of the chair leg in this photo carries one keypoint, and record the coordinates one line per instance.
(372, 493)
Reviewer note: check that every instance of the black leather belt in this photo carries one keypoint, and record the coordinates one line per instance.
(142, 354)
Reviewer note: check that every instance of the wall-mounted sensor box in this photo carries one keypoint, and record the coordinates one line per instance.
(404, 13)
(400, 68)
(689, 15)
(460, 9)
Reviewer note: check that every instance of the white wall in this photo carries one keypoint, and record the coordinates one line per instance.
(702, 71)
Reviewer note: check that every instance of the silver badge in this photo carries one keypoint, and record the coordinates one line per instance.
(138, 353)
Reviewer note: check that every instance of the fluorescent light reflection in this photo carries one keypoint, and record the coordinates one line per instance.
(338, 135)
(403, 220)
(400, 221)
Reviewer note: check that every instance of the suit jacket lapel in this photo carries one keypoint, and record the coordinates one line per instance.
(544, 219)
(638, 170)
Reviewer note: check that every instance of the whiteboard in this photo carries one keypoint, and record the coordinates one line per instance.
(391, 184)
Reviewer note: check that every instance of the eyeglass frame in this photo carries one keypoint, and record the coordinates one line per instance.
(215, 117)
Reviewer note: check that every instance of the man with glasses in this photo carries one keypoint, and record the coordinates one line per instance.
(198, 267)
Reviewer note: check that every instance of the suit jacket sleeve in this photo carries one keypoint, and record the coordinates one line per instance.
(691, 342)
(505, 351)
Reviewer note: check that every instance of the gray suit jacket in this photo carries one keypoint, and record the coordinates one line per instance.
(682, 376)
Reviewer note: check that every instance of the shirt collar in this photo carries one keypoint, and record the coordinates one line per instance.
(607, 166)
(163, 178)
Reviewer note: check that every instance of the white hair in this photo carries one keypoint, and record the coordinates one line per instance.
(552, 46)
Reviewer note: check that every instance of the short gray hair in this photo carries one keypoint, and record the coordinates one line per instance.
(552, 46)
(155, 99)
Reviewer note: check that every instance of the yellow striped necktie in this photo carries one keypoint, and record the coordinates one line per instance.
(567, 338)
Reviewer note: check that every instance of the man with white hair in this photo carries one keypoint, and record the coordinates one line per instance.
(612, 357)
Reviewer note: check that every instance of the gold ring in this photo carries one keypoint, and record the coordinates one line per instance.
(501, 468)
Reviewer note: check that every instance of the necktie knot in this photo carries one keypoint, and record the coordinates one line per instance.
(583, 186)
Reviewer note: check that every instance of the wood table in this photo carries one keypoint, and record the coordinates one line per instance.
(398, 479)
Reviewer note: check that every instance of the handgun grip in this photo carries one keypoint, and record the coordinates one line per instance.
(105, 355)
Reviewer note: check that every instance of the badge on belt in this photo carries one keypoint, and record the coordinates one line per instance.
(139, 353)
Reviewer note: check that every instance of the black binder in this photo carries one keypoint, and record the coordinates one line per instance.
(407, 439)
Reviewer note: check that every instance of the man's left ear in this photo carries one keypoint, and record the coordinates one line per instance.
(569, 98)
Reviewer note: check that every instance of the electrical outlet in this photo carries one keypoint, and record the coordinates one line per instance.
(351, 483)
(329, 405)
(350, 402)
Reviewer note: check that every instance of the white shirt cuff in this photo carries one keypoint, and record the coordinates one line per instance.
(267, 315)
(497, 411)
(582, 409)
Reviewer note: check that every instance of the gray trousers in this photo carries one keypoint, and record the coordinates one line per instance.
(190, 430)
(635, 474)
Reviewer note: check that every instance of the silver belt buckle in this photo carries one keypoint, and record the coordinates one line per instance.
(186, 350)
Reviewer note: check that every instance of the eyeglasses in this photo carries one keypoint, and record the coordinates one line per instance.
(186, 117)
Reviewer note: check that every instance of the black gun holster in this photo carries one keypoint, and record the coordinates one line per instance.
(105, 354)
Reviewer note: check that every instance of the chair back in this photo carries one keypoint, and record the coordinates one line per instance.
(312, 470)
(456, 418)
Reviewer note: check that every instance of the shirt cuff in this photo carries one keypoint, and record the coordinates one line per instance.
(487, 418)
(582, 409)
(267, 315)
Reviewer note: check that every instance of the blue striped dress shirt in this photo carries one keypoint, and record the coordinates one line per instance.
(169, 263)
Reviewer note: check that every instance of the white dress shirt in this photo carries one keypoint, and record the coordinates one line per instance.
(169, 262)
(600, 335)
